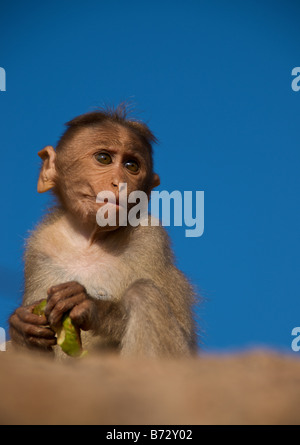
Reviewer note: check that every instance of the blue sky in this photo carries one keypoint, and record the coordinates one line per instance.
(213, 81)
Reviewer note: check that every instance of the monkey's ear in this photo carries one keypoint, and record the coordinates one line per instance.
(155, 183)
(46, 179)
(155, 180)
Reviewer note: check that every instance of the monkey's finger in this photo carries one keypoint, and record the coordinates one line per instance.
(63, 306)
(25, 314)
(82, 315)
(56, 298)
(62, 294)
(73, 286)
(16, 336)
(41, 342)
(20, 339)
(27, 329)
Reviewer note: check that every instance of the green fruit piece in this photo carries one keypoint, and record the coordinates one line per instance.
(68, 337)
(39, 309)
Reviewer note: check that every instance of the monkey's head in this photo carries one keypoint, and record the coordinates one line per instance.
(97, 152)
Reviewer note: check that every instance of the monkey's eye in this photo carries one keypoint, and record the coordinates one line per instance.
(132, 166)
(103, 158)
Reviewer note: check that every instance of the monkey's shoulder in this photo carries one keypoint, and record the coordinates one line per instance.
(151, 234)
(45, 233)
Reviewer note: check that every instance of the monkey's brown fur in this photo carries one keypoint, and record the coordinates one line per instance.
(120, 284)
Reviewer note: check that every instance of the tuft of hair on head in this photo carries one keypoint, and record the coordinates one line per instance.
(118, 115)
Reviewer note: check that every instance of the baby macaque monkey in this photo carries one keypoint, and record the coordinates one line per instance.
(118, 283)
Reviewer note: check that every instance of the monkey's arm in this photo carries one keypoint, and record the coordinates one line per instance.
(155, 327)
(144, 321)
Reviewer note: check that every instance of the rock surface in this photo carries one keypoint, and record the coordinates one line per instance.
(257, 387)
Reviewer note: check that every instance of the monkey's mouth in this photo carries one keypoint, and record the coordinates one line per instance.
(101, 201)
(108, 200)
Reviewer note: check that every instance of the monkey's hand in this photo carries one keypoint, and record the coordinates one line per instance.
(28, 329)
(71, 297)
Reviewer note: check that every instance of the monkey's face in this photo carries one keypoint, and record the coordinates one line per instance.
(99, 159)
